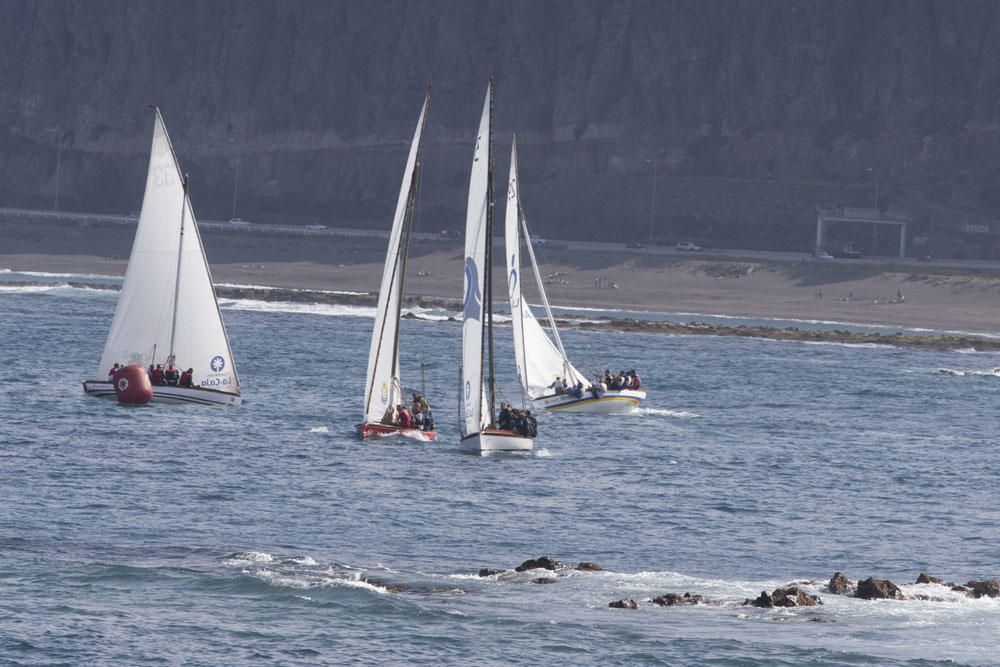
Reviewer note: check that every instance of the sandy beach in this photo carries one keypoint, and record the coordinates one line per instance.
(941, 298)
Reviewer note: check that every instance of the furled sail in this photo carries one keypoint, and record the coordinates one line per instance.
(539, 360)
(383, 387)
(472, 415)
(167, 303)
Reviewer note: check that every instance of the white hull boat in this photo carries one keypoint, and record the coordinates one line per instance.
(477, 384)
(619, 402)
(541, 359)
(495, 441)
(170, 394)
(167, 311)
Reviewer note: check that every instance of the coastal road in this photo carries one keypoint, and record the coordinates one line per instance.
(717, 254)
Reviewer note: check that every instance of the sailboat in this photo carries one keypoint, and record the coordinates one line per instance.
(383, 387)
(167, 310)
(477, 400)
(542, 363)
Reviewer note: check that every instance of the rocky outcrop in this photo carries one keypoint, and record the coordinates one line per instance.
(488, 572)
(586, 566)
(791, 596)
(671, 599)
(623, 604)
(924, 578)
(540, 563)
(878, 589)
(839, 584)
(989, 588)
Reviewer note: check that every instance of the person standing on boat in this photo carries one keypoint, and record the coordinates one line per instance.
(171, 376)
(405, 417)
(111, 373)
(157, 375)
(636, 382)
(187, 378)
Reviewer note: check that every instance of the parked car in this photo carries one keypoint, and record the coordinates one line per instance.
(238, 221)
(635, 245)
(316, 227)
(688, 246)
(847, 252)
(822, 254)
(538, 241)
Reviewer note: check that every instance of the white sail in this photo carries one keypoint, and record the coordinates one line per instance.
(473, 417)
(167, 302)
(383, 387)
(539, 360)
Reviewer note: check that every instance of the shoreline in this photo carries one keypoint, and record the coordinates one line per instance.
(933, 340)
(780, 290)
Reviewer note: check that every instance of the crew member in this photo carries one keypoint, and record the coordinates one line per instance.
(171, 376)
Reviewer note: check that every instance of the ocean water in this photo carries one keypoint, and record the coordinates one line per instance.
(267, 534)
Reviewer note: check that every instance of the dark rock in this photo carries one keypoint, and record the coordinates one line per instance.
(670, 599)
(589, 567)
(961, 589)
(839, 584)
(542, 562)
(543, 580)
(623, 604)
(381, 583)
(487, 572)
(791, 596)
(878, 589)
(925, 578)
(988, 588)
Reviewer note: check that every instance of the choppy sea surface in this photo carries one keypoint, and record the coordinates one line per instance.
(267, 534)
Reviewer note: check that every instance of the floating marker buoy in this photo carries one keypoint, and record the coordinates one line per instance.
(132, 385)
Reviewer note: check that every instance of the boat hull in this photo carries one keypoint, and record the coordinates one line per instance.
(382, 431)
(495, 440)
(618, 402)
(168, 394)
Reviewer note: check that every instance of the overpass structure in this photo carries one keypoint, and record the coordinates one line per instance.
(863, 215)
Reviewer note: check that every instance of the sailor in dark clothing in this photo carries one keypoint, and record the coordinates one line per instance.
(506, 418)
(187, 378)
(171, 376)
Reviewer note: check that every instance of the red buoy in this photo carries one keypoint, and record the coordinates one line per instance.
(132, 385)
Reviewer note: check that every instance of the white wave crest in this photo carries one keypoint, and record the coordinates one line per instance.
(319, 429)
(663, 412)
(325, 309)
(249, 558)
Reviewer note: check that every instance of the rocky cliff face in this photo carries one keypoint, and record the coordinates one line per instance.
(754, 112)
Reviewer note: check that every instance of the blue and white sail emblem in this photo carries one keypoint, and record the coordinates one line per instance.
(473, 305)
(218, 363)
(512, 287)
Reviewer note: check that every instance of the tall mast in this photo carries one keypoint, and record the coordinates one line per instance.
(488, 297)
(404, 250)
(177, 282)
(399, 269)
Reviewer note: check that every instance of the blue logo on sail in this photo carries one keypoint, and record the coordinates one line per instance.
(218, 363)
(512, 287)
(473, 305)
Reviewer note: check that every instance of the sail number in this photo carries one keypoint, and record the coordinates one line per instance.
(163, 176)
